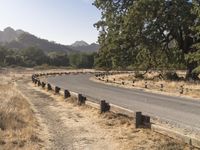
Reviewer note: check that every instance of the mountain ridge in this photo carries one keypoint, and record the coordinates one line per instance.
(19, 39)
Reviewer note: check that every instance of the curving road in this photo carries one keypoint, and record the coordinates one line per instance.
(179, 110)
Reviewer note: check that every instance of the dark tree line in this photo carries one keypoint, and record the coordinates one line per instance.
(32, 57)
(148, 34)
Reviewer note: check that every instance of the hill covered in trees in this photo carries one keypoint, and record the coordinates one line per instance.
(19, 39)
(146, 34)
(20, 48)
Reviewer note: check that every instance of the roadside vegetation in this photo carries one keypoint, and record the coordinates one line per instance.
(169, 83)
(18, 125)
(146, 34)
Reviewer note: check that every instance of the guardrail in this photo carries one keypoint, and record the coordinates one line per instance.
(181, 89)
(139, 120)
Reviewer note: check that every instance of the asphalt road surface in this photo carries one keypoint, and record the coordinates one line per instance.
(179, 110)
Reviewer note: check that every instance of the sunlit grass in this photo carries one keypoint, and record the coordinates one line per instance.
(17, 121)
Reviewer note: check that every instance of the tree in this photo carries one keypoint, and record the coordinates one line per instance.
(33, 56)
(158, 29)
(59, 59)
(195, 56)
(3, 53)
(82, 60)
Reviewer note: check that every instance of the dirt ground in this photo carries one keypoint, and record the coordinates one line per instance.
(64, 125)
(190, 90)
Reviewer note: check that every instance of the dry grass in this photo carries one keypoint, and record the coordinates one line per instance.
(17, 122)
(110, 130)
(154, 84)
(120, 129)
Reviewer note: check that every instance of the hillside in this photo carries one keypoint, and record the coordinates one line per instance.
(19, 39)
(9, 34)
(28, 40)
(85, 47)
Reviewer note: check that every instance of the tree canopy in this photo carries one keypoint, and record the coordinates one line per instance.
(31, 57)
(149, 34)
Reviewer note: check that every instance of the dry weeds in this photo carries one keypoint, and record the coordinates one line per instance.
(17, 122)
(114, 131)
(154, 84)
(119, 129)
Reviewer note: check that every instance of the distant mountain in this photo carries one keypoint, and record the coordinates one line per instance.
(79, 43)
(85, 47)
(28, 40)
(19, 39)
(10, 34)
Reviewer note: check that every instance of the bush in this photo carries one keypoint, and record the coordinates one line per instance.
(139, 75)
(171, 76)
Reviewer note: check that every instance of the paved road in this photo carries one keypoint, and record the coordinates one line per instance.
(179, 110)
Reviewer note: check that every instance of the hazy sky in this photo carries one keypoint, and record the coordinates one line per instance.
(63, 21)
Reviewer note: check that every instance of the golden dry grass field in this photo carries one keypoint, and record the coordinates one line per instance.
(190, 89)
(18, 125)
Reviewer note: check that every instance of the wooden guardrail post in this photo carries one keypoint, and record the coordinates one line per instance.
(43, 85)
(35, 81)
(38, 83)
(133, 83)
(181, 89)
(146, 85)
(104, 106)
(141, 120)
(49, 88)
(138, 119)
(33, 78)
(146, 121)
(161, 87)
(81, 99)
(66, 94)
(57, 90)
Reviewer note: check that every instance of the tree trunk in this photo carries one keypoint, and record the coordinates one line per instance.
(190, 75)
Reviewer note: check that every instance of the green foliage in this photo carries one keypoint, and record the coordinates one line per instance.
(148, 33)
(171, 76)
(32, 57)
(3, 53)
(58, 59)
(197, 70)
(82, 60)
(139, 75)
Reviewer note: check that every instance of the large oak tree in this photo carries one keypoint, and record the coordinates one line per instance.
(154, 33)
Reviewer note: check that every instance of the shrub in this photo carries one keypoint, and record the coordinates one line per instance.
(171, 76)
